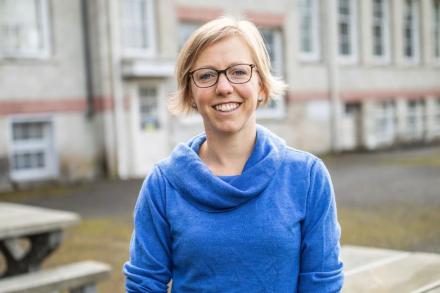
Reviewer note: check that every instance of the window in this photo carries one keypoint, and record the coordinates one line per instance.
(309, 29)
(385, 121)
(437, 115)
(380, 30)
(185, 31)
(148, 108)
(274, 44)
(436, 29)
(410, 31)
(138, 27)
(416, 119)
(32, 154)
(24, 28)
(347, 30)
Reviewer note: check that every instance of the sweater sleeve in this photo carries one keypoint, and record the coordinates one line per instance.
(320, 267)
(148, 269)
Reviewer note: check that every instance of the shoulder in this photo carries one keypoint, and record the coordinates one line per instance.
(152, 190)
(301, 159)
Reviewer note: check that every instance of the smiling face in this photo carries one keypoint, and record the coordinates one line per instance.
(227, 108)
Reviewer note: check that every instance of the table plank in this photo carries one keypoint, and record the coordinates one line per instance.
(18, 220)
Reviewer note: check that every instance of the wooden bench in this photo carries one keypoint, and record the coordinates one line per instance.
(79, 277)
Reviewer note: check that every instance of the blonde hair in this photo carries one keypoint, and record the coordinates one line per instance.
(207, 35)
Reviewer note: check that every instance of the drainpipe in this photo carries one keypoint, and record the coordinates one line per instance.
(117, 88)
(87, 59)
(331, 38)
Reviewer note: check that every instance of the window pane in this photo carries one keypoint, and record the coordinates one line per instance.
(148, 108)
(306, 25)
(345, 27)
(21, 27)
(135, 24)
(436, 28)
(28, 160)
(28, 131)
(408, 29)
(185, 31)
(379, 26)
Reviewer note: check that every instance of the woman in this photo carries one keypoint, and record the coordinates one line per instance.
(234, 209)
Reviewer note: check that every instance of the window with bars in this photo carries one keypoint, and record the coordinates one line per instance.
(138, 27)
(32, 155)
(380, 30)
(24, 28)
(347, 30)
(309, 29)
(410, 31)
(148, 108)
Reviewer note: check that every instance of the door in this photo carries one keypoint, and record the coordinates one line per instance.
(149, 127)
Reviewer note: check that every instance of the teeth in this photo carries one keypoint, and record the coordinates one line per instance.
(227, 107)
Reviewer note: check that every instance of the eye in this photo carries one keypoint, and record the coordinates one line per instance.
(238, 71)
(206, 75)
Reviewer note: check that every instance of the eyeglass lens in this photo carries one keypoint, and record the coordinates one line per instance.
(206, 77)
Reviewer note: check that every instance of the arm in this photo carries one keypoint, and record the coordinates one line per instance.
(320, 267)
(149, 267)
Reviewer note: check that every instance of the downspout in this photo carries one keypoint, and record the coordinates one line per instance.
(88, 71)
(333, 73)
(117, 89)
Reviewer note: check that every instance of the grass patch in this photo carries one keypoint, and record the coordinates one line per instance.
(104, 239)
(20, 196)
(405, 227)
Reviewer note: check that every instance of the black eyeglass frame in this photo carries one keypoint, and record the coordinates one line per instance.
(252, 66)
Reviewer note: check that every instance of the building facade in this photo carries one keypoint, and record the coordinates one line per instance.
(84, 84)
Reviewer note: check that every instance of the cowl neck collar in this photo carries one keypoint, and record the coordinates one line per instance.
(187, 173)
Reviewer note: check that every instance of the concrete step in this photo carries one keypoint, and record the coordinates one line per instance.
(382, 270)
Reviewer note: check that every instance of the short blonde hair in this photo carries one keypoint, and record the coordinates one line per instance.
(210, 33)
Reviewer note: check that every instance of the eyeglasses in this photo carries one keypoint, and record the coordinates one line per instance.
(207, 77)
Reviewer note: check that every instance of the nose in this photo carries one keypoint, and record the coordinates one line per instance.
(223, 86)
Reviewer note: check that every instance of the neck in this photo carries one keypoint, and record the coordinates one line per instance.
(226, 155)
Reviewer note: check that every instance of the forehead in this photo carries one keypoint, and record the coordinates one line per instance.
(223, 53)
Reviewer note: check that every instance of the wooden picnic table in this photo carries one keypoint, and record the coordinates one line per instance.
(28, 235)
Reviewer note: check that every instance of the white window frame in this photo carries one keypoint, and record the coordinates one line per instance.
(415, 27)
(44, 33)
(436, 31)
(149, 27)
(384, 24)
(351, 58)
(311, 6)
(278, 108)
(47, 145)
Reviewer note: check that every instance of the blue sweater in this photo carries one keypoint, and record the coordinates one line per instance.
(271, 229)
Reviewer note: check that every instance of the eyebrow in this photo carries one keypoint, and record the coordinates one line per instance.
(213, 67)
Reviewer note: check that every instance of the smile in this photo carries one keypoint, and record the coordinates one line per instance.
(226, 107)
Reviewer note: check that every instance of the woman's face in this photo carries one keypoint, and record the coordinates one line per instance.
(226, 108)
